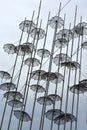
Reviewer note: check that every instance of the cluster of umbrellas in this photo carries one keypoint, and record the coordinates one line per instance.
(63, 37)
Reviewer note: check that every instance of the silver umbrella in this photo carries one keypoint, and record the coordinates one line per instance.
(7, 86)
(54, 20)
(22, 115)
(38, 88)
(64, 118)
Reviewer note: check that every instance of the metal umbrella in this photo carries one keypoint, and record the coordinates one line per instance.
(80, 29)
(54, 97)
(64, 118)
(4, 75)
(53, 113)
(35, 74)
(23, 50)
(17, 103)
(9, 48)
(38, 88)
(79, 88)
(54, 20)
(43, 52)
(13, 94)
(60, 57)
(22, 115)
(40, 33)
(26, 26)
(71, 64)
(60, 78)
(32, 61)
(48, 100)
(7, 86)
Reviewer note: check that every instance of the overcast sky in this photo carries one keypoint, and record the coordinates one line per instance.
(13, 12)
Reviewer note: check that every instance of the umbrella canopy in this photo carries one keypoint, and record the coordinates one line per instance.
(53, 113)
(79, 88)
(4, 75)
(32, 61)
(9, 48)
(63, 37)
(84, 81)
(71, 64)
(54, 97)
(12, 94)
(49, 75)
(22, 115)
(84, 45)
(60, 58)
(15, 103)
(64, 118)
(47, 100)
(59, 79)
(7, 86)
(56, 20)
(37, 74)
(80, 29)
(38, 32)
(65, 34)
(60, 42)
(43, 52)
(23, 50)
(37, 88)
(26, 26)
(31, 46)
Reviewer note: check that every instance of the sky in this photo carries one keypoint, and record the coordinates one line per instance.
(13, 12)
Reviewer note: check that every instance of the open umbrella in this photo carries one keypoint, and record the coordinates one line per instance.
(9, 48)
(31, 45)
(32, 61)
(4, 75)
(15, 103)
(54, 97)
(12, 94)
(80, 29)
(53, 113)
(47, 100)
(71, 64)
(59, 79)
(22, 115)
(26, 26)
(79, 88)
(37, 74)
(64, 118)
(63, 37)
(7, 86)
(38, 32)
(23, 49)
(43, 52)
(56, 20)
(60, 57)
(38, 88)
(49, 75)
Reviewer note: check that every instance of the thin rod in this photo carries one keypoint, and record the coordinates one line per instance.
(49, 70)
(66, 104)
(39, 76)
(75, 77)
(77, 104)
(12, 77)
(39, 13)
(63, 84)
(28, 82)
(58, 72)
(20, 71)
